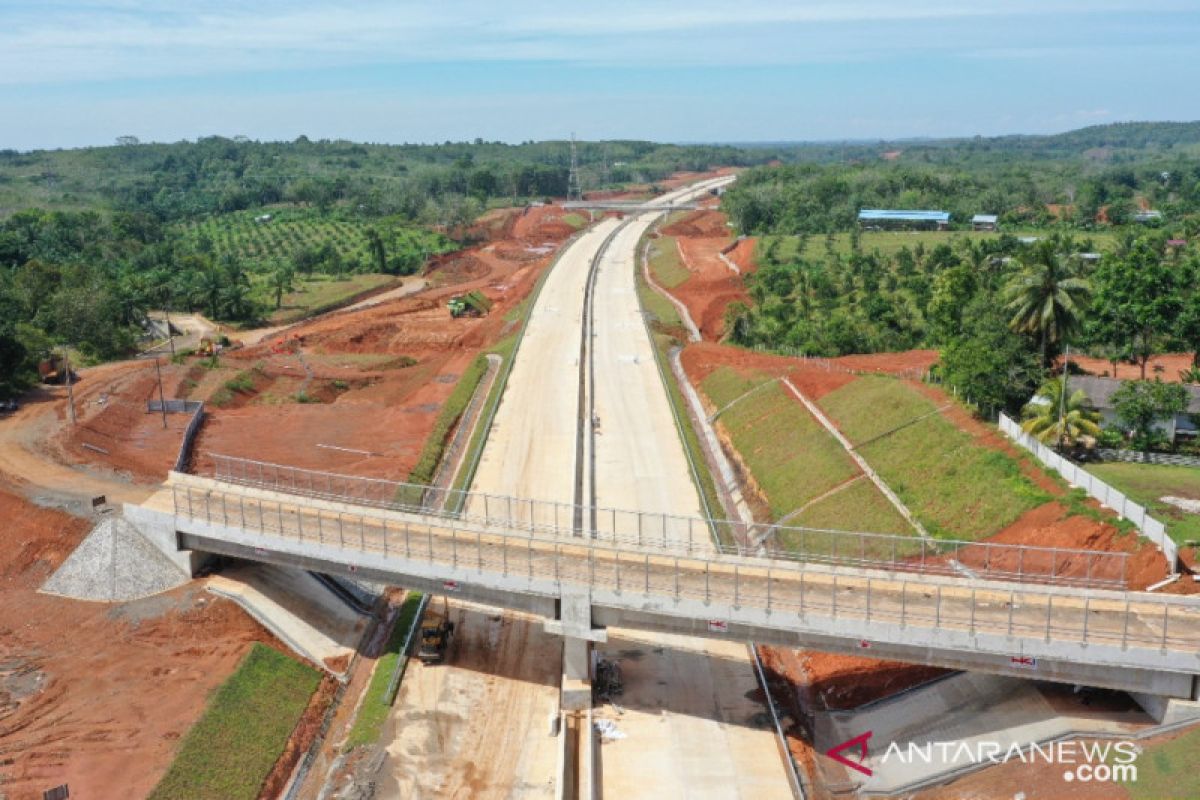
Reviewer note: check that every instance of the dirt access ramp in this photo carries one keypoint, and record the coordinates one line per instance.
(98, 695)
(717, 263)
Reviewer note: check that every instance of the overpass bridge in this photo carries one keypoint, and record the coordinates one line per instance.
(629, 207)
(1131, 641)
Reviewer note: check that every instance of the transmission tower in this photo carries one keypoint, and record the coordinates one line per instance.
(574, 190)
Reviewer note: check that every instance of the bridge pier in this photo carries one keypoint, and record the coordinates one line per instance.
(574, 625)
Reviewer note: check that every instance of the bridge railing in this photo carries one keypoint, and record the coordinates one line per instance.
(1163, 624)
(553, 520)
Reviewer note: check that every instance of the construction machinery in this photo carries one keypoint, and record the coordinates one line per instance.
(472, 304)
(53, 369)
(435, 639)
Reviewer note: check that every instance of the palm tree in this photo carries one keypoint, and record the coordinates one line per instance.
(377, 250)
(1046, 297)
(281, 280)
(1052, 421)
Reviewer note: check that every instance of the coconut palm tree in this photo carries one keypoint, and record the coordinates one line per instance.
(1047, 297)
(1052, 421)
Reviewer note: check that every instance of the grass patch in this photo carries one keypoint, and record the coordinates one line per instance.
(452, 410)
(221, 397)
(859, 507)
(230, 751)
(665, 265)
(575, 220)
(320, 293)
(375, 703)
(793, 459)
(956, 488)
(1168, 771)
(1146, 483)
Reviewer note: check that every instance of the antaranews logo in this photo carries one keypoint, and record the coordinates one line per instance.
(1097, 761)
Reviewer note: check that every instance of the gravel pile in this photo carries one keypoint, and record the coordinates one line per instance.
(114, 563)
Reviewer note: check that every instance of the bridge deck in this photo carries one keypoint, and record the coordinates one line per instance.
(1135, 630)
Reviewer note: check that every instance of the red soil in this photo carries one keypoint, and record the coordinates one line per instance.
(1171, 365)
(906, 362)
(112, 416)
(94, 695)
(810, 377)
(702, 237)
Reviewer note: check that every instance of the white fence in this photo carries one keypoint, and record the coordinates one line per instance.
(1151, 528)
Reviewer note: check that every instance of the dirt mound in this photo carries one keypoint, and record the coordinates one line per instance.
(742, 254)
(1049, 526)
(700, 224)
(906, 361)
(701, 358)
(456, 268)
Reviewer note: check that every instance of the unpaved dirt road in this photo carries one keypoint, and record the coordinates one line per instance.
(479, 724)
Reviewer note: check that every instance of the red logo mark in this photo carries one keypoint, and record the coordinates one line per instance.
(859, 742)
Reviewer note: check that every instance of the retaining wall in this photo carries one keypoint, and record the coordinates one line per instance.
(193, 407)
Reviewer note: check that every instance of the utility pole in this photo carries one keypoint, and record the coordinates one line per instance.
(574, 189)
(162, 404)
(1062, 402)
(70, 384)
(170, 336)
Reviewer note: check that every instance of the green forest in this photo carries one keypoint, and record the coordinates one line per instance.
(92, 238)
(1070, 265)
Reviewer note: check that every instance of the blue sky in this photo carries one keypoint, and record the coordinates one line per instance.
(85, 72)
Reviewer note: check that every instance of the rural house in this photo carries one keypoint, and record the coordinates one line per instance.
(1101, 390)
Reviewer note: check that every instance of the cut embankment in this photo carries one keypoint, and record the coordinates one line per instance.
(799, 471)
(956, 488)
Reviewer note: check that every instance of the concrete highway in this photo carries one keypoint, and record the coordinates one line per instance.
(690, 728)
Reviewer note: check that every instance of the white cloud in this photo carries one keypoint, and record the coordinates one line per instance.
(107, 39)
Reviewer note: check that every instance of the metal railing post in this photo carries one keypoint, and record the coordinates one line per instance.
(768, 590)
(1087, 599)
(1166, 621)
(1012, 601)
(1049, 611)
(479, 552)
(1125, 627)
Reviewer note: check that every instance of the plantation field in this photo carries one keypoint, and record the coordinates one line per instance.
(890, 242)
(956, 488)
(794, 460)
(1148, 483)
(665, 265)
(260, 243)
(229, 753)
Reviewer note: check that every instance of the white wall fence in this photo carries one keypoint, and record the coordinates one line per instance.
(1109, 497)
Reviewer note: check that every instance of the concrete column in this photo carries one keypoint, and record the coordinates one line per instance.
(577, 674)
(574, 624)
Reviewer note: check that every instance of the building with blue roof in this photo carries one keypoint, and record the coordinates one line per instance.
(879, 218)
